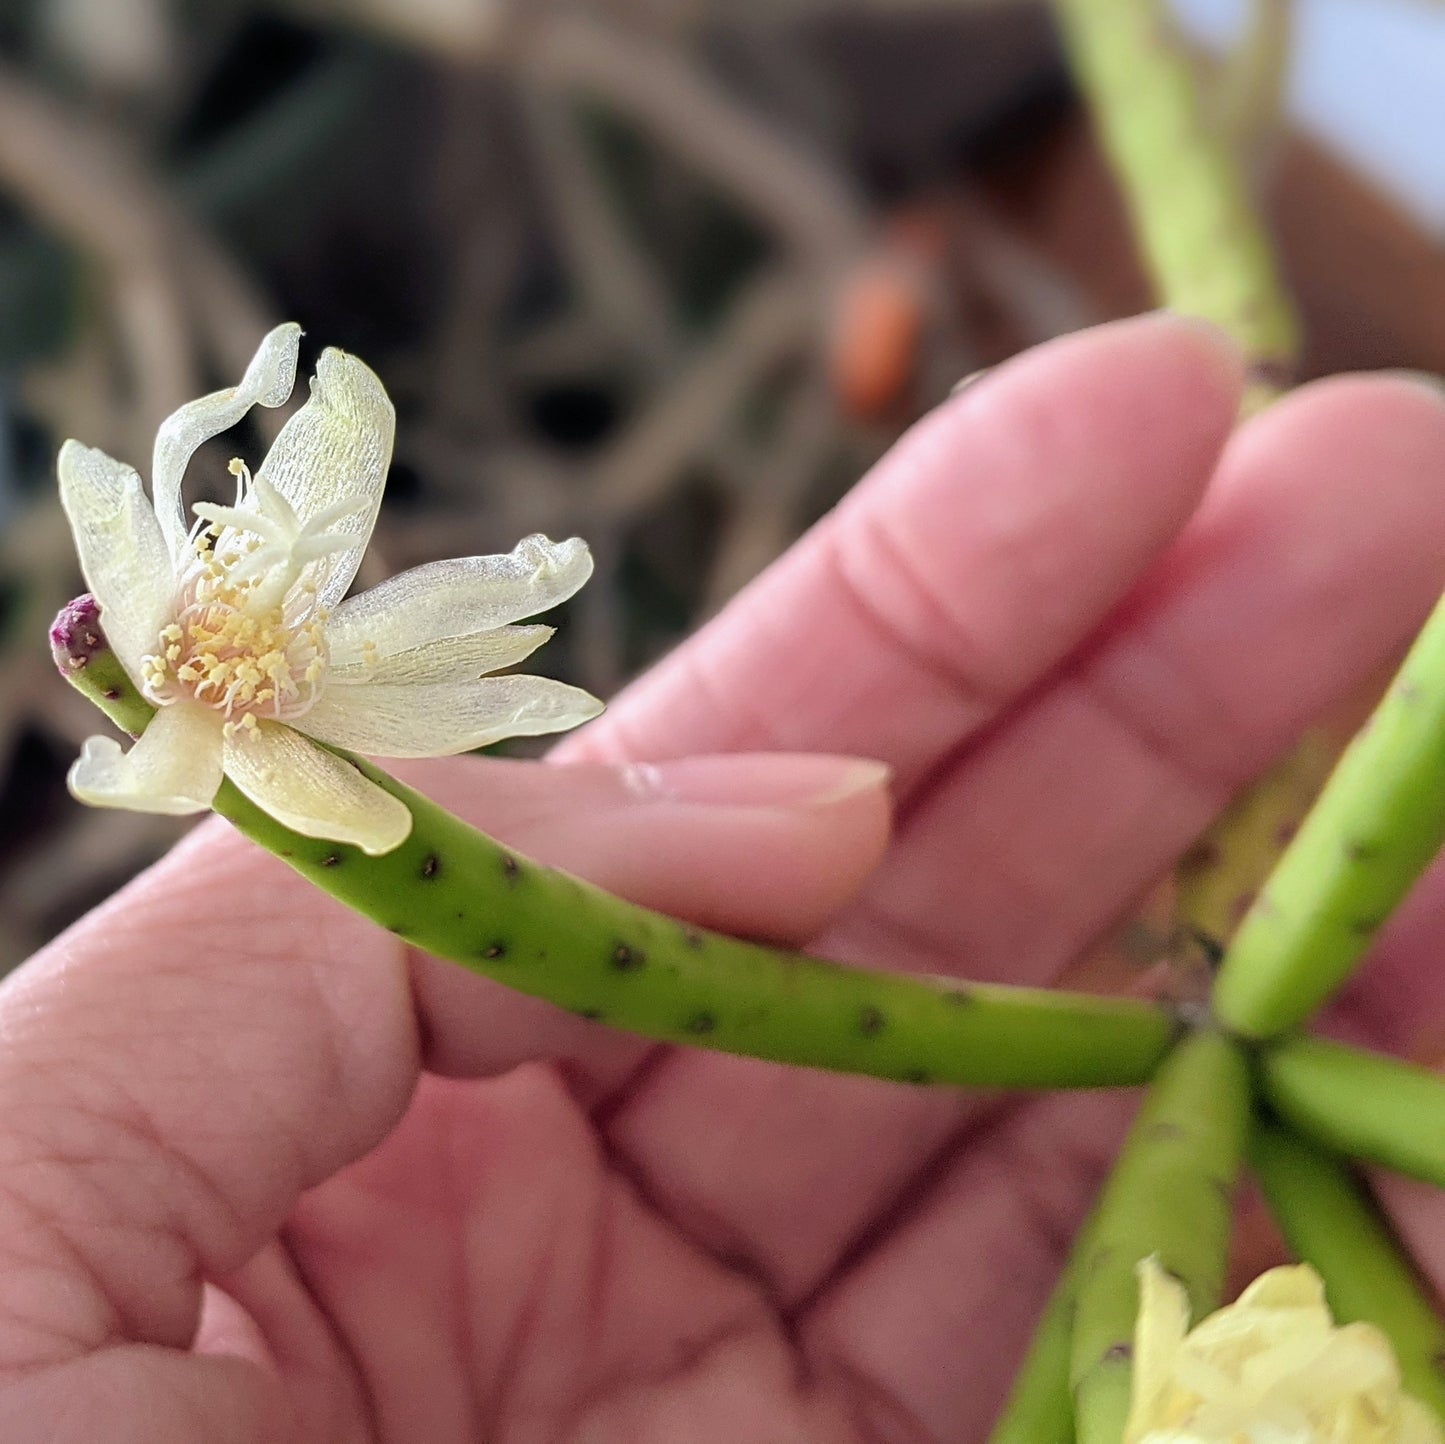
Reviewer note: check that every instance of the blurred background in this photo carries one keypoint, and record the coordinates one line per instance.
(668, 274)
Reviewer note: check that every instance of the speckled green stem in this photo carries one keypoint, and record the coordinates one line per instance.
(1363, 1104)
(1205, 248)
(1331, 1223)
(1170, 1196)
(456, 893)
(1376, 825)
(1040, 1406)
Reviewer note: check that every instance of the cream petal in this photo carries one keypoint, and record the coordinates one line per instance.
(453, 659)
(1159, 1332)
(312, 791)
(122, 551)
(336, 449)
(174, 766)
(268, 381)
(460, 597)
(439, 719)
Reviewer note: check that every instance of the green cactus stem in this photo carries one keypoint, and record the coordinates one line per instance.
(1170, 1196)
(1363, 1104)
(456, 893)
(1376, 825)
(1187, 190)
(1040, 1406)
(1205, 248)
(1330, 1223)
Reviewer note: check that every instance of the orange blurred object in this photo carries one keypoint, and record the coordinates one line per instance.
(880, 317)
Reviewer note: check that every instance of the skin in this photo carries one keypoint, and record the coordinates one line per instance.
(264, 1176)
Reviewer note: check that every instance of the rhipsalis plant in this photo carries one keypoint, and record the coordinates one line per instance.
(227, 649)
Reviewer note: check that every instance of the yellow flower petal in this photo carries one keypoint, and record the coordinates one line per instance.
(453, 659)
(268, 381)
(122, 550)
(313, 791)
(440, 719)
(459, 598)
(174, 767)
(1271, 1366)
(335, 450)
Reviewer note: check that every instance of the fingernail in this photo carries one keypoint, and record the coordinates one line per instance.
(972, 379)
(1427, 380)
(756, 779)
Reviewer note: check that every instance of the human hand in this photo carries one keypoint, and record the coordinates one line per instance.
(1069, 626)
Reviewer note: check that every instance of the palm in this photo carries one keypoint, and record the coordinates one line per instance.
(620, 1242)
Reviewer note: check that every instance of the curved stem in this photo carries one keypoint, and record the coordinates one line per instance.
(1330, 1223)
(456, 893)
(1209, 254)
(1197, 228)
(1040, 1406)
(1359, 1103)
(1375, 827)
(1170, 1196)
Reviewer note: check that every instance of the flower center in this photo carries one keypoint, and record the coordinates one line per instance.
(230, 651)
(248, 637)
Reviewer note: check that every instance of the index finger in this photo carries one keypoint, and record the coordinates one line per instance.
(976, 555)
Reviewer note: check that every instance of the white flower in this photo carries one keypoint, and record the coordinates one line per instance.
(1271, 1368)
(236, 630)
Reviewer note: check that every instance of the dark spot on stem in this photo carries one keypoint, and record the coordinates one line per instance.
(960, 997)
(871, 1021)
(332, 859)
(918, 1076)
(1407, 691)
(1118, 1353)
(591, 1015)
(1276, 372)
(286, 852)
(701, 1023)
(627, 960)
(691, 938)
(1209, 945)
(111, 694)
(1366, 926)
(1166, 1132)
(1357, 850)
(431, 867)
(495, 950)
(511, 868)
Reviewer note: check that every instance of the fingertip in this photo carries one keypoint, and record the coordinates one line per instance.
(1398, 408)
(1163, 353)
